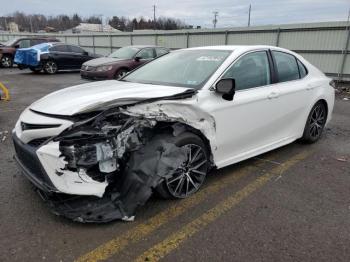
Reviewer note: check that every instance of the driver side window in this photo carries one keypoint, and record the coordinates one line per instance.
(146, 53)
(251, 70)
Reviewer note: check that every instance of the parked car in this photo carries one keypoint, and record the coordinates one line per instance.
(120, 62)
(8, 49)
(52, 57)
(163, 126)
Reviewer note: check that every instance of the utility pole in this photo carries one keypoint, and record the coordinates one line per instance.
(154, 17)
(215, 21)
(31, 24)
(250, 9)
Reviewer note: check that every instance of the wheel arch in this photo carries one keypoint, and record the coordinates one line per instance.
(177, 128)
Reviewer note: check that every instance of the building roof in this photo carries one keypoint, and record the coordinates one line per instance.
(86, 27)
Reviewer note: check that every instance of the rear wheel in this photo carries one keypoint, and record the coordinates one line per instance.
(188, 178)
(50, 67)
(315, 123)
(6, 61)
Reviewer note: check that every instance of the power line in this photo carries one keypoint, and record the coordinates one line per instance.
(216, 13)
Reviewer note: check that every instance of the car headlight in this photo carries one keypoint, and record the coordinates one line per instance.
(104, 68)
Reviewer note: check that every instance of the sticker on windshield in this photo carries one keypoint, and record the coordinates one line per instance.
(210, 58)
(191, 82)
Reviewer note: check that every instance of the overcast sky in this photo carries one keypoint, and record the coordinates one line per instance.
(195, 12)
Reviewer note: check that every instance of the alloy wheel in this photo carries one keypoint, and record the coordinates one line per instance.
(51, 67)
(317, 121)
(188, 178)
(121, 73)
(6, 61)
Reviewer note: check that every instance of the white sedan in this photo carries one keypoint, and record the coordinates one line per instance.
(97, 151)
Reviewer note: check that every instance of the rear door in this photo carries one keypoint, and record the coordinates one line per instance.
(62, 56)
(79, 56)
(295, 94)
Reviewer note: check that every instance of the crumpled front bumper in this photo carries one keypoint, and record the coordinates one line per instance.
(30, 165)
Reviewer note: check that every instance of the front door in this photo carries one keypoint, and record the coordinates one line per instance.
(246, 125)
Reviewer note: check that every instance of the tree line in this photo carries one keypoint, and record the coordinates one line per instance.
(36, 22)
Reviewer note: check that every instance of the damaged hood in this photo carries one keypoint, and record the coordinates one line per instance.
(91, 96)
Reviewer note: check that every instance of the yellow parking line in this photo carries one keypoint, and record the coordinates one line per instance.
(173, 241)
(115, 245)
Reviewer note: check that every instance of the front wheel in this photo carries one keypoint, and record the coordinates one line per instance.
(120, 73)
(315, 123)
(50, 67)
(188, 178)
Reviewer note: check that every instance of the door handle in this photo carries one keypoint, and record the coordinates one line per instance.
(273, 95)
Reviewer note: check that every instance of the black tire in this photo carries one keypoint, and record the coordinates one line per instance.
(120, 73)
(6, 61)
(35, 70)
(50, 67)
(315, 123)
(166, 189)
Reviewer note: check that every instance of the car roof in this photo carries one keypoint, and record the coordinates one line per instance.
(238, 47)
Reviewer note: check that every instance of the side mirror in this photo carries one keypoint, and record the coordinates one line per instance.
(16, 46)
(137, 59)
(226, 87)
(86, 53)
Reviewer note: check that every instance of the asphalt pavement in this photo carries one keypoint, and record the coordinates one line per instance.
(291, 204)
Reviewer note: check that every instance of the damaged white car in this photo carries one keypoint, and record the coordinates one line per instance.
(97, 151)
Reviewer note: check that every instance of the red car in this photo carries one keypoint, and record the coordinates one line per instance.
(120, 62)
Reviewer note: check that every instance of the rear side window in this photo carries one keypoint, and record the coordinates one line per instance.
(25, 43)
(251, 70)
(302, 69)
(287, 67)
(59, 48)
(161, 51)
(37, 41)
(76, 49)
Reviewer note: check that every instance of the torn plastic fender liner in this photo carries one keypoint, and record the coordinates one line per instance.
(146, 169)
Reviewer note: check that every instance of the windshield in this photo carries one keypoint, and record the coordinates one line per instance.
(10, 42)
(185, 68)
(125, 52)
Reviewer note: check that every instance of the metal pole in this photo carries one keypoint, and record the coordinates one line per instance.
(226, 37)
(93, 44)
(345, 53)
(278, 36)
(187, 39)
(250, 9)
(110, 43)
(131, 40)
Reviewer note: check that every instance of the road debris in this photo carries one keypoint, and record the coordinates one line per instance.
(3, 135)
